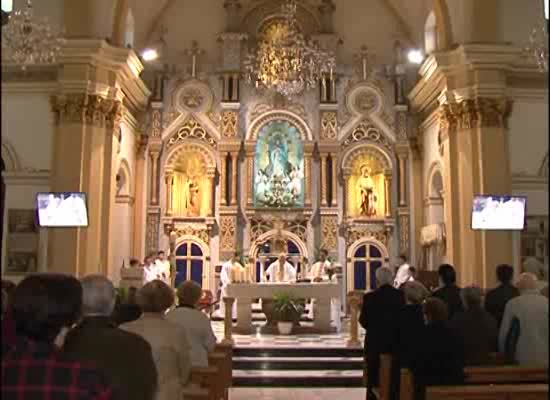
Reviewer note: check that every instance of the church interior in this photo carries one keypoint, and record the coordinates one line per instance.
(360, 132)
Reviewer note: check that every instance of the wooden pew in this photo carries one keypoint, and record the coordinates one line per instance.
(382, 392)
(222, 359)
(488, 392)
(483, 375)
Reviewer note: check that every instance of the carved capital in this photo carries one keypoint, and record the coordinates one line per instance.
(88, 109)
(156, 122)
(141, 146)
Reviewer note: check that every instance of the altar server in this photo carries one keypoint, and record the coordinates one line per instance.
(163, 268)
(230, 269)
(281, 270)
(150, 270)
(403, 273)
(320, 272)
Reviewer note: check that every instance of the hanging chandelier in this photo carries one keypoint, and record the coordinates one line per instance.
(287, 62)
(27, 40)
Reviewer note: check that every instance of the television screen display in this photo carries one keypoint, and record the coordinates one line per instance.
(62, 209)
(498, 212)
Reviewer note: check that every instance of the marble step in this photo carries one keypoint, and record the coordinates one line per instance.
(297, 363)
(297, 378)
(297, 352)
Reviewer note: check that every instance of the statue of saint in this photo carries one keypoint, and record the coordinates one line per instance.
(194, 205)
(366, 191)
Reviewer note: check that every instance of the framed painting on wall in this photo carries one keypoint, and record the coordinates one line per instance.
(22, 242)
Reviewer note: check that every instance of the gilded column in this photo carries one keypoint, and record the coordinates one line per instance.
(387, 194)
(402, 180)
(250, 179)
(154, 167)
(307, 179)
(209, 209)
(334, 180)
(323, 90)
(332, 90)
(323, 180)
(223, 179)
(234, 174)
(169, 179)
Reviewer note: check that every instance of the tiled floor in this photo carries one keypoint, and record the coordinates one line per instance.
(296, 394)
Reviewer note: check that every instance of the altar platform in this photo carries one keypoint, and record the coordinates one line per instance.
(303, 360)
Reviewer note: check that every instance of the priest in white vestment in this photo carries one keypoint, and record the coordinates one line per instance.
(281, 271)
(150, 270)
(403, 273)
(163, 268)
(230, 271)
(319, 272)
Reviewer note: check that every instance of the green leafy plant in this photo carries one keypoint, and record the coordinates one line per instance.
(286, 308)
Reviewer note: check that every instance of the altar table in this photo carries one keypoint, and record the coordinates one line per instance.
(244, 293)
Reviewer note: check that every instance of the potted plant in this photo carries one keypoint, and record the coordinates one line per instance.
(287, 311)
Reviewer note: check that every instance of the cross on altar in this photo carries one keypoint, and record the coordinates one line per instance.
(194, 52)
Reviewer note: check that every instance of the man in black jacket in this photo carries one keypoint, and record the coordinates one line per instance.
(379, 317)
(449, 293)
(496, 298)
(124, 357)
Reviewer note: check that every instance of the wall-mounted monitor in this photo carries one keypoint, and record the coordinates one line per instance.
(491, 212)
(67, 209)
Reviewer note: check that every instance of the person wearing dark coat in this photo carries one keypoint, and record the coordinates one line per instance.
(439, 359)
(128, 310)
(124, 357)
(448, 292)
(379, 317)
(496, 299)
(476, 328)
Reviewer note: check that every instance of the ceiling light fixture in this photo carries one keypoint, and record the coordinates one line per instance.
(149, 54)
(415, 56)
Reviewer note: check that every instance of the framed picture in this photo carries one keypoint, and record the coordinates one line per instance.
(22, 242)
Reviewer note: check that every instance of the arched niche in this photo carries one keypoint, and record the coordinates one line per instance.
(9, 157)
(443, 24)
(124, 186)
(189, 172)
(434, 201)
(433, 232)
(364, 257)
(367, 174)
(279, 115)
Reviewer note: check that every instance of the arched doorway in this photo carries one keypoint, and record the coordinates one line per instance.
(365, 258)
(190, 262)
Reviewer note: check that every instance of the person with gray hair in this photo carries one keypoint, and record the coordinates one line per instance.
(475, 327)
(196, 324)
(379, 316)
(530, 310)
(126, 358)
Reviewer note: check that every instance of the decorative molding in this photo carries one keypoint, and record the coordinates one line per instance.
(366, 132)
(404, 226)
(176, 152)
(368, 149)
(198, 230)
(228, 230)
(152, 230)
(191, 129)
(229, 124)
(362, 232)
(329, 125)
(87, 109)
(260, 225)
(329, 232)
(42, 74)
(299, 123)
(156, 122)
(193, 96)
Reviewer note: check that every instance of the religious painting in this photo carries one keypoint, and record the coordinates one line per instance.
(190, 186)
(279, 166)
(22, 243)
(366, 192)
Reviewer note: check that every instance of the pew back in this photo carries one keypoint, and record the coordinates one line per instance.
(488, 392)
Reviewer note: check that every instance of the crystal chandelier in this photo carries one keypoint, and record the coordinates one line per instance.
(287, 62)
(27, 40)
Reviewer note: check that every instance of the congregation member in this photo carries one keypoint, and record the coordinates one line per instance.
(196, 324)
(476, 328)
(379, 317)
(439, 358)
(496, 299)
(8, 324)
(403, 273)
(45, 307)
(230, 269)
(448, 291)
(281, 270)
(126, 358)
(411, 322)
(167, 339)
(127, 310)
(530, 309)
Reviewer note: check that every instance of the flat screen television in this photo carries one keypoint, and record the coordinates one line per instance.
(490, 212)
(67, 209)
